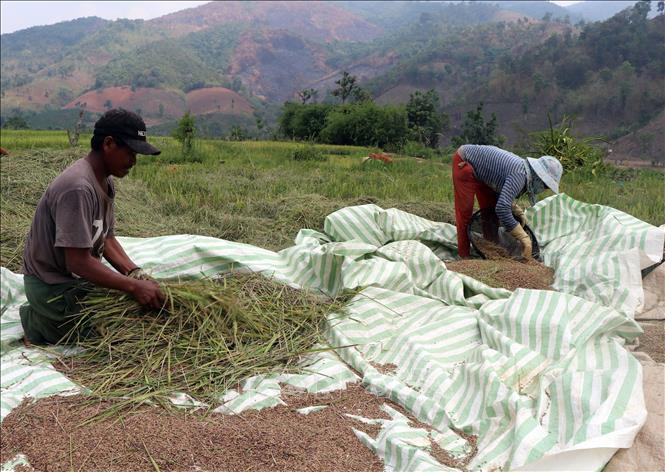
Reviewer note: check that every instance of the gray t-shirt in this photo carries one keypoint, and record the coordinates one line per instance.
(74, 212)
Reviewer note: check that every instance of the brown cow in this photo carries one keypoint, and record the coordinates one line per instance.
(4, 152)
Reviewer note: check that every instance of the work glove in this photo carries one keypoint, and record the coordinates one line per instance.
(139, 274)
(518, 233)
(519, 214)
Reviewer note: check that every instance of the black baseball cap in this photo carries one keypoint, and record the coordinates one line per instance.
(128, 127)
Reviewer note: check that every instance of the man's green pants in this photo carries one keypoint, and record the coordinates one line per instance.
(51, 309)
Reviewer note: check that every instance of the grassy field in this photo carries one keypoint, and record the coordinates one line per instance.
(254, 192)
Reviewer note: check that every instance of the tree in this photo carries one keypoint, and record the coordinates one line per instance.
(185, 132)
(425, 120)
(306, 95)
(303, 121)
(361, 95)
(476, 131)
(74, 135)
(236, 85)
(15, 122)
(260, 122)
(346, 84)
(626, 77)
(525, 105)
(64, 96)
(238, 134)
(640, 11)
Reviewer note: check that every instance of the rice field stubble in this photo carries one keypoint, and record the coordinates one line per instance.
(254, 192)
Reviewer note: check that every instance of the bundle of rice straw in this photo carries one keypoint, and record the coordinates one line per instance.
(210, 335)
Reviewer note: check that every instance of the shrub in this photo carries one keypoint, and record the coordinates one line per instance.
(366, 124)
(304, 122)
(185, 132)
(416, 149)
(308, 153)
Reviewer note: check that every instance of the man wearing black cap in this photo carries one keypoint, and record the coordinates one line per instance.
(73, 228)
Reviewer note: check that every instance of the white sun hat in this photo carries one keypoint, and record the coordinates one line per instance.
(549, 169)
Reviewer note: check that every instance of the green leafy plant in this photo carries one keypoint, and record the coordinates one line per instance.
(574, 153)
(185, 133)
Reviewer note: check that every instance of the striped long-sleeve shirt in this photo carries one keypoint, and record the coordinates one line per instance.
(503, 172)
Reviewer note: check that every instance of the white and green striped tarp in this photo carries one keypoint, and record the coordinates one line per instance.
(541, 377)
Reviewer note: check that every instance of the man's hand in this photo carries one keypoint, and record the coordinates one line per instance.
(147, 293)
(80, 262)
(519, 214)
(139, 274)
(518, 233)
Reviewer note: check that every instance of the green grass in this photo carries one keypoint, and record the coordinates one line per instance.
(637, 192)
(255, 192)
(14, 140)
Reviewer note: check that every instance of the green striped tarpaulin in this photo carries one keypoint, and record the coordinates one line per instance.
(541, 377)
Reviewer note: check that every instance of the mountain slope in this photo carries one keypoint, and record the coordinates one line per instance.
(237, 59)
(26, 52)
(316, 21)
(643, 146)
(275, 64)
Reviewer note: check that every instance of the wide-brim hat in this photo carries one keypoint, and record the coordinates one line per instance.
(549, 169)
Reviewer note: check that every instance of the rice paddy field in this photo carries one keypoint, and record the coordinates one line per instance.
(255, 192)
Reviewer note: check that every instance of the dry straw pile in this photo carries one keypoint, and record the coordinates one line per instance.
(209, 336)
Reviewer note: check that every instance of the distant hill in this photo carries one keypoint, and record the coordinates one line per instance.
(229, 62)
(317, 21)
(599, 10)
(46, 44)
(642, 147)
(538, 9)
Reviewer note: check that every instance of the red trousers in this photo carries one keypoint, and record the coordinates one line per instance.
(467, 187)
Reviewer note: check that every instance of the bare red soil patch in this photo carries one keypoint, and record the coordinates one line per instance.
(148, 100)
(217, 100)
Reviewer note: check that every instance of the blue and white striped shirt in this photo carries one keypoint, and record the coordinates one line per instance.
(503, 172)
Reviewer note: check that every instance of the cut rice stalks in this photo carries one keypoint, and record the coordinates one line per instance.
(209, 336)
